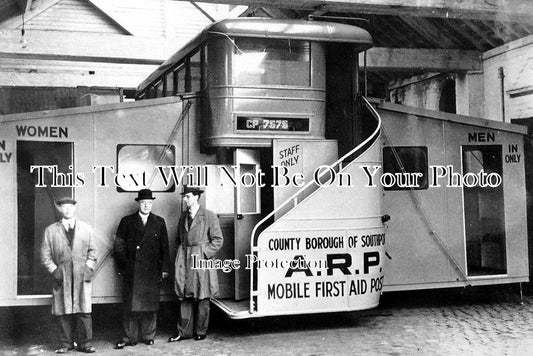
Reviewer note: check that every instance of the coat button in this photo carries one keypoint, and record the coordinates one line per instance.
(138, 247)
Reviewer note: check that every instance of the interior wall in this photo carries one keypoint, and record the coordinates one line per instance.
(25, 99)
(514, 62)
(425, 91)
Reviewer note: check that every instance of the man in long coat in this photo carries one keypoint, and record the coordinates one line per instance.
(68, 252)
(141, 251)
(199, 235)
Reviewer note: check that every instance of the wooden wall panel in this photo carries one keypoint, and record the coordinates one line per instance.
(161, 18)
(72, 15)
(20, 99)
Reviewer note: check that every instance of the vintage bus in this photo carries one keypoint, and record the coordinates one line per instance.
(267, 116)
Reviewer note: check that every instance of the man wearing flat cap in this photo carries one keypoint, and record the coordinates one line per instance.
(68, 252)
(198, 234)
(141, 252)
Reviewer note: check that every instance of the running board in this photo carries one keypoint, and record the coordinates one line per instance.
(235, 309)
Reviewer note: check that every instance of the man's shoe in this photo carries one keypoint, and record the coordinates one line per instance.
(175, 338)
(200, 337)
(121, 344)
(87, 349)
(149, 342)
(64, 350)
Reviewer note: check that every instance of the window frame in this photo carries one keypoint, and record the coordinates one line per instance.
(424, 180)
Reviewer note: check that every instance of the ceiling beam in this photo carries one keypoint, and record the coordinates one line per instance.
(202, 11)
(108, 17)
(460, 30)
(237, 11)
(499, 10)
(482, 33)
(426, 60)
(111, 48)
(46, 45)
(69, 80)
(51, 73)
(429, 32)
(274, 12)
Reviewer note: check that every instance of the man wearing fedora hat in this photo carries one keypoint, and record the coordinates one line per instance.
(68, 252)
(198, 234)
(141, 252)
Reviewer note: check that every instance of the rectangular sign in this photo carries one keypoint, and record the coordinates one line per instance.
(319, 271)
(248, 123)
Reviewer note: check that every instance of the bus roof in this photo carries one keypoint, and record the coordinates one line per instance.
(268, 28)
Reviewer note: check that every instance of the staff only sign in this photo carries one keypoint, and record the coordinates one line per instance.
(314, 271)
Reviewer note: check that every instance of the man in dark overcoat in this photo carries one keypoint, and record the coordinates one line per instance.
(141, 252)
(68, 252)
(199, 235)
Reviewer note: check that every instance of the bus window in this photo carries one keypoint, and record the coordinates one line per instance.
(204, 66)
(271, 62)
(137, 164)
(150, 92)
(180, 74)
(36, 208)
(484, 213)
(249, 194)
(196, 74)
(159, 89)
(170, 84)
(414, 161)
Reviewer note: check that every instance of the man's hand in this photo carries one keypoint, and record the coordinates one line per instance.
(88, 274)
(58, 275)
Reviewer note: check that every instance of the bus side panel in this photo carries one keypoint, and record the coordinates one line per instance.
(58, 142)
(99, 136)
(338, 232)
(142, 135)
(8, 241)
(408, 233)
(482, 229)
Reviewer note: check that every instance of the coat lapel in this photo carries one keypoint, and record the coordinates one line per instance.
(184, 218)
(138, 225)
(150, 223)
(63, 234)
(198, 218)
(76, 233)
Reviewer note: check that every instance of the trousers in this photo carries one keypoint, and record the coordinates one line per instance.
(194, 317)
(132, 320)
(75, 327)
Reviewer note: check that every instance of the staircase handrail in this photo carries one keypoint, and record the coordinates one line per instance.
(294, 198)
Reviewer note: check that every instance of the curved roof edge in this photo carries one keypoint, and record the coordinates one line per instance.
(269, 28)
(294, 29)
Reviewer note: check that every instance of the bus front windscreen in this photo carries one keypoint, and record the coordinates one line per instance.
(259, 61)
